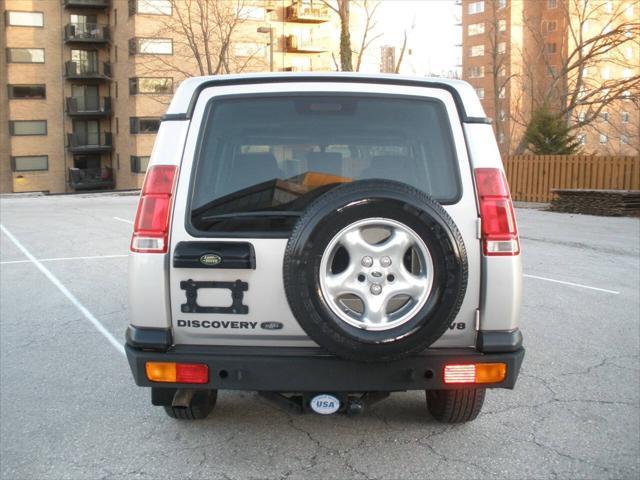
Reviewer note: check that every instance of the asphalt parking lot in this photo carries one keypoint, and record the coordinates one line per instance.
(69, 407)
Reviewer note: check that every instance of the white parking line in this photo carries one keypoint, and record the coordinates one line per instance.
(57, 259)
(87, 314)
(572, 284)
(123, 220)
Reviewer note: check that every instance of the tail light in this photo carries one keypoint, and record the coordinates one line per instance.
(170, 372)
(151, 227)
(499, 230)
(475, 373)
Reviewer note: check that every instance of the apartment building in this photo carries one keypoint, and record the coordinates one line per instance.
(516, 55)
(85, 82)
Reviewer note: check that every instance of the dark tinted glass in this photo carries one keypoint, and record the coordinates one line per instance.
(263, 160)
(27, 91)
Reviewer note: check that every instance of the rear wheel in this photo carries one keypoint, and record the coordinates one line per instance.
(200, 406)
(455, 406)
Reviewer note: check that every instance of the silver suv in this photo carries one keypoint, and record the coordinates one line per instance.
(324, 239)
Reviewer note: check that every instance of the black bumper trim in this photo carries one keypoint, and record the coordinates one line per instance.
(499, 341)
(237, 368)
(149, 338)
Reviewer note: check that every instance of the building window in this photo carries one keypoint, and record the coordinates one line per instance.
(502, 25)
(475, 29)
(625, 117)
(475, 7)
(18, 128)
(139, 164)
(476, 72)
(150, 46)
(502, 4)
(552, 3)
(476, 51)
(604, 116)
(624, 140)
(552, 71)
(629, 11)
(31, 163)
(552, 26)
(503, 115)
(502, 47)
(608, 7)
(628, 53)
(552, 48)
(144, 125)
(626, 95)
(503, 92)
(25, 19)
(25, 55)
(603, 139)
(582, 138)
(29, 92)
(251, 13)
(150, 7)
(150, 85)
(480, 92)
(502, 72)
(501, 137)
(582, 116)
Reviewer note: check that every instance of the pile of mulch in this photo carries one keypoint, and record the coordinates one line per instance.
(611, 203)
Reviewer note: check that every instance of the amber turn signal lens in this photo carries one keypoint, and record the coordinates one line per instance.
(490, 372)
(161, 371)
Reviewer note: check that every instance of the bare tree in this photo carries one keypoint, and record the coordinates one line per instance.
(204, 33)
(396, 68)
(368, 36)
(341, 7)
(596, 39)
(346, 53)
(498, 72)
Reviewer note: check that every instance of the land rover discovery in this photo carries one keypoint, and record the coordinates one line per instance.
(324, 240)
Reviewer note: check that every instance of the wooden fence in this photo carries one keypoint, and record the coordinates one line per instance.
(532, 177)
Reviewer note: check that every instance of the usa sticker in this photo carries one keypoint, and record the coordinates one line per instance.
(325, 404)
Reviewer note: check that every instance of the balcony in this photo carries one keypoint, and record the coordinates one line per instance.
(306, 13)
(86, 3)
(293, 44)
(87, 71)
(89, 143)
(87, 33)
(88, 107)
(91, 178)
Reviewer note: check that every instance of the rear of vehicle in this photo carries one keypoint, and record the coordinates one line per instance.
(321, 238)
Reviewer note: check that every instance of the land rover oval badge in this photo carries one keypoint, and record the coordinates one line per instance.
(210, 259)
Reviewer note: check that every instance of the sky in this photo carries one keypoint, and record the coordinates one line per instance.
(431, 40)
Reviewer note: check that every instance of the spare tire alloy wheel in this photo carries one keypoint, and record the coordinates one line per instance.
(375, 270)
(390, 280)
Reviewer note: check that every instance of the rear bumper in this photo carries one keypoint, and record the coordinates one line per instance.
(309, 369)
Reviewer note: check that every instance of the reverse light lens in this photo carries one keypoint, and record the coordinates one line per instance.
(170, 372)
(499, 230)
(151, 226)
(460, 374)
(475, 373)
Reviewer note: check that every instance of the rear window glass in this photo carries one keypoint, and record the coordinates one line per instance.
(262, 160)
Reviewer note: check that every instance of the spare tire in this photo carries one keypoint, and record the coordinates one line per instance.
(375, 270)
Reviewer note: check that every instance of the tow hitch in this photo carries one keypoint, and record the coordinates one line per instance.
(325, 403)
